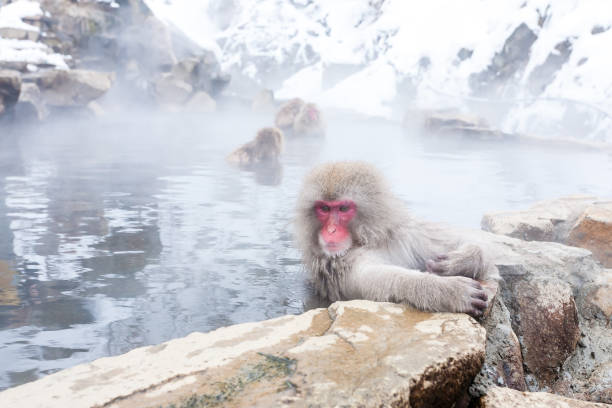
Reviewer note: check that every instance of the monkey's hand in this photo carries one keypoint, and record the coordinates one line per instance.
(463, 295)
(424, 291)
(465, 261)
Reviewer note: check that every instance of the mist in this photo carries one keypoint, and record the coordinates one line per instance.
(122, 224)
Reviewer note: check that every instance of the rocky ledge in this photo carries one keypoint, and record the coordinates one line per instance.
(582, 221)
(356, 353)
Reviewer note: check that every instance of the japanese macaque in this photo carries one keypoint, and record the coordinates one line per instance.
(308, 121)
(359, 242)
(287, 113)
(264, 149)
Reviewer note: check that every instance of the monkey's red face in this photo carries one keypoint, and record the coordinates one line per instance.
(313, 114)
(334, 236)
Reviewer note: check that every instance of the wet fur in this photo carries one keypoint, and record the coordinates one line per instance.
(287, 113)
(304, 125)
(265, 148)
(392, 252)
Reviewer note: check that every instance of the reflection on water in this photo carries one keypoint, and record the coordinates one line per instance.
(124, 233)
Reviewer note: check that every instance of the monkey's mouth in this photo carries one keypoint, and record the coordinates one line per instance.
(335, 249)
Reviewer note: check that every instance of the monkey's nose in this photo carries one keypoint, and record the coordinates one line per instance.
(331, 229)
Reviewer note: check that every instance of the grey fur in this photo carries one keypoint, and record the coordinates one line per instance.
(394, 257)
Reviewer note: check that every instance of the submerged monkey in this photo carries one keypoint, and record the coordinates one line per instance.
(287, 113)
(264, 149)
(308, 121)
(359, 242)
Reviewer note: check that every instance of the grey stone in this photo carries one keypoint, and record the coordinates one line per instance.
(71, 88)
(10, 87)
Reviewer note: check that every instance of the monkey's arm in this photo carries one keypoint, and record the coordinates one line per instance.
(424, 291)
(467, 260)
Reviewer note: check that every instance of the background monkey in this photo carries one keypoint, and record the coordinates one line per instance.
(308, 121)
(359, 242)
(287, 113)
(265, 148)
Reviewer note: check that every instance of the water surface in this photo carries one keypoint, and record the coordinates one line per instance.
(119, 233)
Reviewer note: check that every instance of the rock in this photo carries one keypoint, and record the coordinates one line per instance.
(601, 296)
(531, 268)
(149, 43)
(503, 361)
(10, 87)
(19, 33)
(582, 221)
(96, 109)
(356, 353)
(593, 231)
(544, 74)
(30, 105)
(547, 323)
(544, 221)
(71, 88)
(203, 72)
(506, 64)
(73, 23)
(601, 381)
(201, 102)
(504, 397)
(171, 91)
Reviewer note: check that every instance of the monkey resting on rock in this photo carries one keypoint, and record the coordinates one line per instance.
(359, 242)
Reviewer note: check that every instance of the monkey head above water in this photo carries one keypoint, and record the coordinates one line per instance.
(287, 113)
(359, 242)
(264, 149)
(308, 121)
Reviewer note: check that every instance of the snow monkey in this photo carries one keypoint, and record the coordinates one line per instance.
(264, 149)
(287, 113)
(308, 121)
(359, 242)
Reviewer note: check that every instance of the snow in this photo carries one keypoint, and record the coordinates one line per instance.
(190, 16)
(397, 55)
(12, 14)
(30, 52)
(390, 42)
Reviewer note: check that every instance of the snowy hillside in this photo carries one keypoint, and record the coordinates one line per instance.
(534, 66)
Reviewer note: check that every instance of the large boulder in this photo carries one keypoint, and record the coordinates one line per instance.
(171, 91)
(582, 221)
(593, 231)
(553, 294)
(203, 72)
(10, 87)
(150, 43)
(544, 221)
(73, 88)
(498, 397)
(356, 353)
(31, 105)
(547, 322)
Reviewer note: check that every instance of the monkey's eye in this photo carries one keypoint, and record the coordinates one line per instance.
(324, 208)
(343, 208)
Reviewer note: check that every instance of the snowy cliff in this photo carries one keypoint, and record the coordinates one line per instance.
(535, 66)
